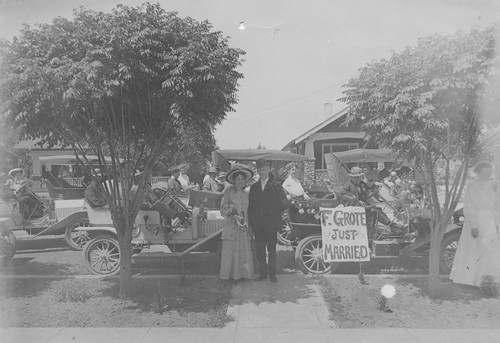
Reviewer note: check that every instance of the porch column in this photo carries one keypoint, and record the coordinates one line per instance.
(309, 176)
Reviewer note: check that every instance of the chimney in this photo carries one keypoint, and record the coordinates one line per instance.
(328, 110)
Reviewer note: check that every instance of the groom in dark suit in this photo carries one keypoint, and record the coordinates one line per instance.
(266, 202)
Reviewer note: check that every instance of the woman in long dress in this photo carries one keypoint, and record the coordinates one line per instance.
(478, 252)
(236, 257)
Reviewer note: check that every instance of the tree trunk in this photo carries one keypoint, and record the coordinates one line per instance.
(125, 242)
(434, 280)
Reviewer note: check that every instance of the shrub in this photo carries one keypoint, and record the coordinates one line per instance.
(489, 286)
(71, 290)
(382, 304)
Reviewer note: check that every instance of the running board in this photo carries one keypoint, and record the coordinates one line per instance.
(415, 245)
(191, 248)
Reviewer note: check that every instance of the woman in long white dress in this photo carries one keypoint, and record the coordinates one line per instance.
(478, 252)
(236, 257)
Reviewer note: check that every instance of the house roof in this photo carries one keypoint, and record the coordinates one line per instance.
(316, 128)
(36, 145)
(255, 154)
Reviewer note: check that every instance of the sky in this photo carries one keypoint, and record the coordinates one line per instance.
(299, 53)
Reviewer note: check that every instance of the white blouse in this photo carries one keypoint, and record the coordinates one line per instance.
(293, 187)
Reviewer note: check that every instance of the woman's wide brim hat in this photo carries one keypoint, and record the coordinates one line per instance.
(230, 176)
(15, 171)
(212, 170)
(481, 165)
(356, 171)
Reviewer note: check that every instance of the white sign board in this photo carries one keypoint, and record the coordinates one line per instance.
(344, 234)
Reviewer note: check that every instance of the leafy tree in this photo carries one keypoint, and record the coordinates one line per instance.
(425, 103)
(192, 148)
(130, 84)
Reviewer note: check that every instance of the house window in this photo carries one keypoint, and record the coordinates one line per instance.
(335, 147)
(301, 149)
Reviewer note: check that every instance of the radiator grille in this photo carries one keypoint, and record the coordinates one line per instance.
(206, 228)
(64, 212)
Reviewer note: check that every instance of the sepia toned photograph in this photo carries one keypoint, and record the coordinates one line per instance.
(250, 170)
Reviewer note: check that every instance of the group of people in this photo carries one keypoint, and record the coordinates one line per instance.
(254, 210)
(258, 211)
(179, 181)
(360, 190)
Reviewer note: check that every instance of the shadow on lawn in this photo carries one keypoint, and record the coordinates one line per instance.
(449, 291)
(24, 288)
(183, 296)
(24, 265)
(286, 290)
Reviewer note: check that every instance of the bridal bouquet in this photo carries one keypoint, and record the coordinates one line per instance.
(229, 210)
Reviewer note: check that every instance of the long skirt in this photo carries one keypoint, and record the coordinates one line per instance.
(236, 258)
(477, 257)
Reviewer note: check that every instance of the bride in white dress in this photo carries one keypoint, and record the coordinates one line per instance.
(478, 251)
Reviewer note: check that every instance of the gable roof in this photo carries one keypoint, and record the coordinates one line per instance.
(316, 128)
(36, 144)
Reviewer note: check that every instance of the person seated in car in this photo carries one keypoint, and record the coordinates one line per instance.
(152, 202)
(93, 193)
(210, 184)
(20, 186)
(386, 172)
(361, 192)
(371, 172)
(293, 189)
(174, 185)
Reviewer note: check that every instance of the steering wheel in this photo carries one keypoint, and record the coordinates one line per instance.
(348, 199)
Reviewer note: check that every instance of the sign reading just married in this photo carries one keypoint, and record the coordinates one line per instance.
(344, 234)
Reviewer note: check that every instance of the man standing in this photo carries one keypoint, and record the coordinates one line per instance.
(266, 202)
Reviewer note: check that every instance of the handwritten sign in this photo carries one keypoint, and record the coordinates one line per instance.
(345, 237)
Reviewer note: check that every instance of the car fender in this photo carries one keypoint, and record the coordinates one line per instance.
(90, 229)
(60, 226)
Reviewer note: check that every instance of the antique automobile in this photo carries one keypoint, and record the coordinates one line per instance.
(384, 241)
(59, 213)
(196, 226)
(48, 217)
(64, 176)
(199, 229)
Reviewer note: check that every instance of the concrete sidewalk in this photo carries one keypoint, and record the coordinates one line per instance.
(291, 310)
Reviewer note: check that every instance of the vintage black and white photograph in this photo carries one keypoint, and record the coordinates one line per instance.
(250, 170)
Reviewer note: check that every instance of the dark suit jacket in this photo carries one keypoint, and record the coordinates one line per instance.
(265, 206)
(383, 174)
(360, 194)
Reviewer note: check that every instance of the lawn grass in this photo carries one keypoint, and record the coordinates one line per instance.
(355, 305)
(173, 302)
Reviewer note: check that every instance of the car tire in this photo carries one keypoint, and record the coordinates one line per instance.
(77, 239)
(448, 250)
(102, 255)
(309, 259)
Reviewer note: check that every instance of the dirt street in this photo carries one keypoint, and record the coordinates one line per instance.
(49, 255)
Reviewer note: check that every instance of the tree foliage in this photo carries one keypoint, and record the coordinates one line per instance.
(133, 84)
(426, 103)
